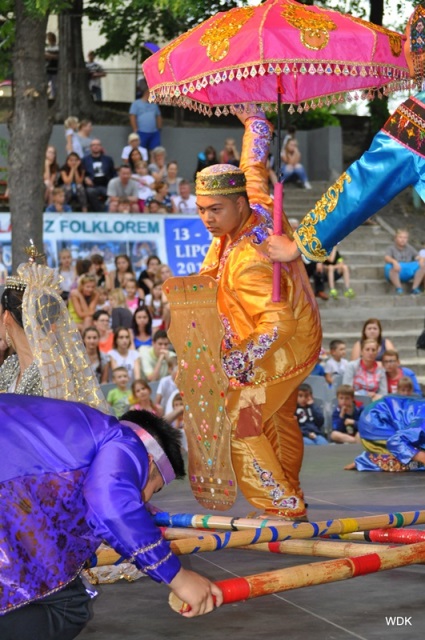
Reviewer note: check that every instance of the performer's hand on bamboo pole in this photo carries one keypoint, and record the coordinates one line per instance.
(199, 594)
(281, 248)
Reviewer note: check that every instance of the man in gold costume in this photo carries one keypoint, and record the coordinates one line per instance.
(269, 347)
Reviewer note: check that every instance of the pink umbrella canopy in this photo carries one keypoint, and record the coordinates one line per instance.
(313, 56)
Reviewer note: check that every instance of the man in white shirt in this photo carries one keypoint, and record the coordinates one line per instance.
(185, 203)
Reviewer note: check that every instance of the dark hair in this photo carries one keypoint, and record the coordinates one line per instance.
(98, 370)
(67, 169)
(126, 257)
(100, 312)
(148, 327)
(152, 257)
(82, 266)
(234, 197)
(131, 162)
(305, 387)
(334, 344)
(116, 333)
(97, 259)
(159, 334)
(169, 439)
(11, 300)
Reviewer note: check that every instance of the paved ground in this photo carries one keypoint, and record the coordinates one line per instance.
(352, 609)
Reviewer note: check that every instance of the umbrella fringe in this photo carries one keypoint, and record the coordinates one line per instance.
(180, 96)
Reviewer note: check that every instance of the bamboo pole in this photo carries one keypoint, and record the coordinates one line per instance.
(286, 531)
(392, 536)
(238, 589)
(226, 523)
(322, 548)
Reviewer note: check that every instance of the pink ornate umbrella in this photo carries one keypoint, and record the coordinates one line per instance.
(247, 54)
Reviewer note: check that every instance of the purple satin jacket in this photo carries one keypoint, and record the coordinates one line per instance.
(70, 477)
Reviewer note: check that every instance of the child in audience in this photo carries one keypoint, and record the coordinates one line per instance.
(336, 268)
(175, 416)
(167, 385)
(144, 182)
(141, 398)
(337, 362)
(132, 298)
(58, 205)
(345, 417)
(119, 398)
(158, 307)
(405, 386)
(310, 417)
(67, 271)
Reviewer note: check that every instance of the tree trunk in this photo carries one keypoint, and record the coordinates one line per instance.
(73, 96)
(378, 107)
(30, 129)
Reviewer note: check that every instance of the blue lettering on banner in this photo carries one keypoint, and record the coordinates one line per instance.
(187, 243)
(112, 226)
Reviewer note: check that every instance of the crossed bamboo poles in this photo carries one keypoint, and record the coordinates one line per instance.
(189, 534)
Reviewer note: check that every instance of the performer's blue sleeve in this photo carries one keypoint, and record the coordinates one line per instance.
(368, 184)
(115, 509)
(404, 445)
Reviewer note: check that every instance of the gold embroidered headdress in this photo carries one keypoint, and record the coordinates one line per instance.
(220, 180)
(55, 341)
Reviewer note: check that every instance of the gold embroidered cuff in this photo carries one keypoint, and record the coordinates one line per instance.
(317, 255)
(152, 567)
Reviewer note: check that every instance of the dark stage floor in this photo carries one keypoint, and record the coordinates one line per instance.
(358, 608)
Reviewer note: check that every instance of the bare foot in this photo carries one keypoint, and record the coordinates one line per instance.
(350, 467)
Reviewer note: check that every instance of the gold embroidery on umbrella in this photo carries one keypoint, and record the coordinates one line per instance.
(307, 231)
(166, 51)
(394, 38)
(217, 37)
(314, 27)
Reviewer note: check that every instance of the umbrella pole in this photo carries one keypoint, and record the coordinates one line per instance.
(278, 204)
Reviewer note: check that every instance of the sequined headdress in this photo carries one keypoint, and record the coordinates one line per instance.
(417, 43)
(220, 180)
(54, 340)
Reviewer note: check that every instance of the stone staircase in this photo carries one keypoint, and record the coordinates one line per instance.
(402, 317)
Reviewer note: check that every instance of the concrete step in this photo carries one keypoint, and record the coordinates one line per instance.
(341, 323)
(375, 295)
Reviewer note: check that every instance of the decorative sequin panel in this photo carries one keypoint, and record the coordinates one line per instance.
(196, 334)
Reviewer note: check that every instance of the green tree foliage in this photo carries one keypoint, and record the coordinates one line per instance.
(127, 25)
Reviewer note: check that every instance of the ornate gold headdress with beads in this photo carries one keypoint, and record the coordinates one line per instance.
(16, 282)
(54, 340)
(220, 180)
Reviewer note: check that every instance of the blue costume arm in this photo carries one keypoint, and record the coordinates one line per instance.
(404, 445)
(368, 185)
(115, 509)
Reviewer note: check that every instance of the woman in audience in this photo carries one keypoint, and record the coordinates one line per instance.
(372, 328)
(98, 360)
(72, 178)
(82, 302)
(51, 173)
(150, 274)
(142, 327)
(291, 158)
(120, 313)
(172, 180)
(122, 355)
(102, 322)
(158, 167)
(160, 195)
(133, 158)
(122, 266)
(206, 159)
(365, 375)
